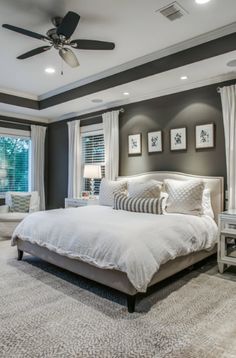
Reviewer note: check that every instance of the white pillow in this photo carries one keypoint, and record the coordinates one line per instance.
(107, 190)
(184, 197)
(148, 189)
(206, 203)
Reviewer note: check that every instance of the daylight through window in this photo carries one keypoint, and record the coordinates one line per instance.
(14, 163)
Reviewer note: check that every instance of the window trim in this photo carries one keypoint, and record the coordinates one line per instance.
(12, 132)
(86, 131)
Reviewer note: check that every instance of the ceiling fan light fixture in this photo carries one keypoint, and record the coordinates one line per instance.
(69, 57)
(50, 70)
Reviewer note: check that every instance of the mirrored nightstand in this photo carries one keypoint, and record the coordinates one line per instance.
(227, 240)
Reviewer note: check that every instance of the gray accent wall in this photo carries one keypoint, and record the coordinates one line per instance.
(187, 108)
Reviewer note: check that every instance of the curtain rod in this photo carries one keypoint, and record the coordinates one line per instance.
(121, 110)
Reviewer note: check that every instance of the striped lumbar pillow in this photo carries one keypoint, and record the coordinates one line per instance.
(20, 203)
(138, 205)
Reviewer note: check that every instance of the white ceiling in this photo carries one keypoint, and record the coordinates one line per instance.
(132, 24)
(140, 35)
(202, 73)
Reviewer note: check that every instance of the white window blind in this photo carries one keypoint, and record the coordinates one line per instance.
(93, 152)
(14, 163)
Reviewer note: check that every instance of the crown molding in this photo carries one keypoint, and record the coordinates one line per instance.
(19, 94)
(150, 95)
(181, 46)
(26, 117)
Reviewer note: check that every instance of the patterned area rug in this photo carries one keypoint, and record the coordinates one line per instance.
(48, 312)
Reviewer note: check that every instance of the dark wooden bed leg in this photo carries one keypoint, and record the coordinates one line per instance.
(20, 254)
(131, 303)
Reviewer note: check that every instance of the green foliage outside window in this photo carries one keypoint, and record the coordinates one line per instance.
(14, 164)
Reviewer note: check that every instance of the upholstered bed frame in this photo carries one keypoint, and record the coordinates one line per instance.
(117, 279)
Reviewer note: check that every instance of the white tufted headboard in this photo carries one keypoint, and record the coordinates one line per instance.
(215, 184)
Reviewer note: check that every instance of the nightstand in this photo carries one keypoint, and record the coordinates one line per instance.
(77, 202)
(227, 239)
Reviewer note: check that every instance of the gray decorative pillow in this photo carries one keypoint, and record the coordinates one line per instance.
(138, 205)
(148, 189)
(107, 190)
(184, 197)
(20, 203)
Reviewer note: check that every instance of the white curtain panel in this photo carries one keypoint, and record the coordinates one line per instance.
(228, 99)
(37, 162)
(111, 140)
(74, 160)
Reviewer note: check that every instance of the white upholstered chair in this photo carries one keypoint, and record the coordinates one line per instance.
(9, 220)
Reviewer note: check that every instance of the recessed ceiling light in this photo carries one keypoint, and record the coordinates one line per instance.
(126, 93)
(97, 100)
(50, 70)
(184, 78)
(232, 63)
(202, 1)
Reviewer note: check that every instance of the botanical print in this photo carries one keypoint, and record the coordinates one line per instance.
(134, 144)
(178, 139)
(154, 142)
(205, 136)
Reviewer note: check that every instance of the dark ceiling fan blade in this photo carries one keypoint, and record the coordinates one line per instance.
(92, 45)
(68, 25)
(69, 57)
(34, 52)
(25, 32)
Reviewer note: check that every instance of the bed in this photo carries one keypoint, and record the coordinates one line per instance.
(119, 249)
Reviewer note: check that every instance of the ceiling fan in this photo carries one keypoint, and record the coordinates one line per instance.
(60, 38)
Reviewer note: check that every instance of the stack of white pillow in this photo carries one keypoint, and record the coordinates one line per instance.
(183, 197)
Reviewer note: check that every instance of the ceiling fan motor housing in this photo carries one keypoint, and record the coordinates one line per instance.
(57, 20)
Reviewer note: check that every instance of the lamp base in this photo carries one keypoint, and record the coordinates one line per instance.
(92, 186)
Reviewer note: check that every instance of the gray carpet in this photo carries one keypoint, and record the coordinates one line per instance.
(48, 312)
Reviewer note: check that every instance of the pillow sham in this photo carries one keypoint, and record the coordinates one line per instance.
(107, 190)
(148, 189)
(206, 204)
(138, 204)
(20, 203)
(184, 197)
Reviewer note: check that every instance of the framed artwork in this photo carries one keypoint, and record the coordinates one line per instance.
(134, 144)
(178, 139)
(204, 136)
(155, 142)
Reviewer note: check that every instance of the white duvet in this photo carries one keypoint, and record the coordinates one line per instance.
(135, 243)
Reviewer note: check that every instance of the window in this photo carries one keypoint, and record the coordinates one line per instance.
(14, 160)
(93, 152)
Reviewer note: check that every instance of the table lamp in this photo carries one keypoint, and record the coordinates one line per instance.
(92, 171)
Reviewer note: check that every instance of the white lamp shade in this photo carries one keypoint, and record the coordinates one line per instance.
(92, 171)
